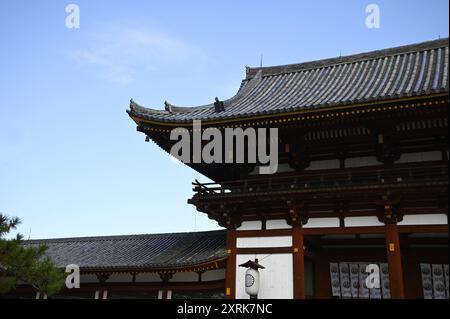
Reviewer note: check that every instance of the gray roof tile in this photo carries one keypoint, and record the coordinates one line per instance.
(159, 251)
(405, 71)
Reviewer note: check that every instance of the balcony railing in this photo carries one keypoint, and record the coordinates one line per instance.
(329, 179)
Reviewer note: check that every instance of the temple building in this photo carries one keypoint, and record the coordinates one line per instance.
(362, 179)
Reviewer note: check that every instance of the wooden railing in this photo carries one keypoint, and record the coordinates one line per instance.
(403, 174)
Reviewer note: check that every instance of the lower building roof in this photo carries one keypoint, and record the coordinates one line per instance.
(151, 251)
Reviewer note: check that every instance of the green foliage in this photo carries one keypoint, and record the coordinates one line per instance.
(25, 264)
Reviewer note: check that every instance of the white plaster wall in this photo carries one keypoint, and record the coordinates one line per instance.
(277, 224)
(361, 161)
(324, 164)
(212, 275)
(276, 280)
(148, 277)
(251, 225)
(184, 277)
(322, 222)
(420, 157)
(361, 221)
(259, 242)
(120, 278)
(88, 278)
(424, 219)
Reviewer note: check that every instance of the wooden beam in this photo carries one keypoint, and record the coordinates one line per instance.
(423, 228)
(405, 241)
(298, 263)
(209, 265)
(375, 230)
(343, 230)
(264, 233)
(394, 259)
(264, 250)
(230, 274)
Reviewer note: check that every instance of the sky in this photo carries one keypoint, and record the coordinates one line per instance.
(71, 161)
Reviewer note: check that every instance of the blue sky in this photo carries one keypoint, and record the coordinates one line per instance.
(71, 161)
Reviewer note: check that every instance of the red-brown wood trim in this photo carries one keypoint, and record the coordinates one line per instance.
(423, 228)
(264, 233)
(394, 260)
(298, 263)
(344, 230)
(230, 273)
(264, 250)
(208, 265)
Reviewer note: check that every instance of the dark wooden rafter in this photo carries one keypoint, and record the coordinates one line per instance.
(298, 213)
(380, 123)
(387, 141)
(102, 277)
(389, 208)
(341, 208)
(105, 273)
(228, 216)
(166, 275)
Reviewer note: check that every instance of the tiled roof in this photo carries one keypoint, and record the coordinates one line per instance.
(406, 71)
(155, 251)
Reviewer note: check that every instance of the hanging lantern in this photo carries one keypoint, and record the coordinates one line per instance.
(252, 278)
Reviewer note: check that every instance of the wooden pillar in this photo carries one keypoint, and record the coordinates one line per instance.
(298, 257)
(394, 260)
(230, 275)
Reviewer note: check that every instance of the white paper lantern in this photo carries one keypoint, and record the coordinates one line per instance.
(252, 282)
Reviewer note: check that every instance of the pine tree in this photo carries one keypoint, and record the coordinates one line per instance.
(25, 264)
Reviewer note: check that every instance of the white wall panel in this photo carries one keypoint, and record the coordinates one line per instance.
(361, 161)
(212, 275)
(322, 222)
(277, 224)
(120, 278)
(424, 219)
(362, 221)
(258, 242)
(276, 280)
(188, 276)
(148, 277)
(251, 225)
(324, 164)
(420, 157)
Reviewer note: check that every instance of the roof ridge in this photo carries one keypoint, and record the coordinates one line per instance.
(347, 59)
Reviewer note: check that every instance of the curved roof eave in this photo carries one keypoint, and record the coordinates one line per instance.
(402, 73)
